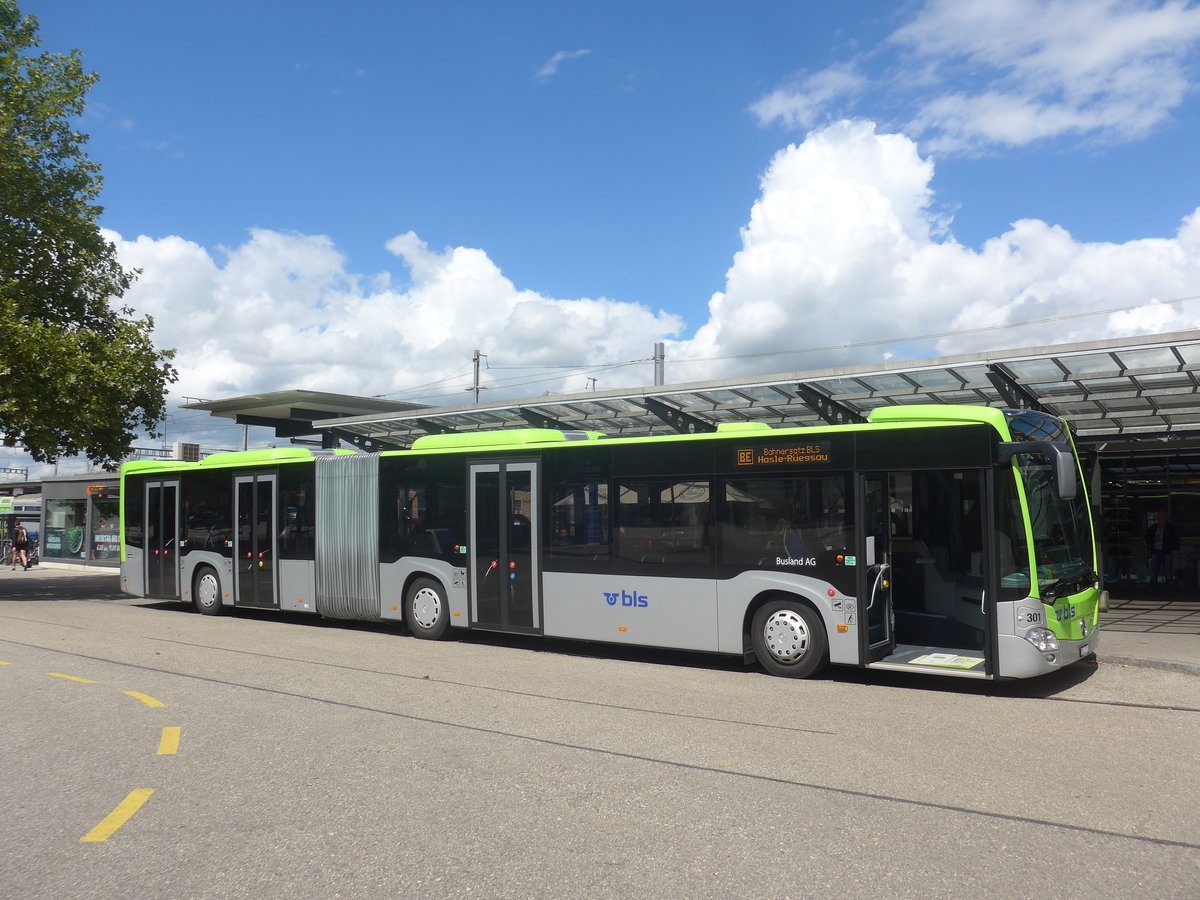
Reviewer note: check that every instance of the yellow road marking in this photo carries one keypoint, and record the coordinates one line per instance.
(170, 741)
(3, 663)
(118, 817)
(145, 698)
(70, 677)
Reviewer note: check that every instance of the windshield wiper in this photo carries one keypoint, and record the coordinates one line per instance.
(1066, 585)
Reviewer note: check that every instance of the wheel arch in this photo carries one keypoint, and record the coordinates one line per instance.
(417, 575)
(192, 562)
(396, 579)
(196, 573)
(761, 599)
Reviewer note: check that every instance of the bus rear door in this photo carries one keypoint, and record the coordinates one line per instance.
(162, 539)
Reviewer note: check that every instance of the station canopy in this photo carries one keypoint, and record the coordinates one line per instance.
(292, 413)
(1110, 390)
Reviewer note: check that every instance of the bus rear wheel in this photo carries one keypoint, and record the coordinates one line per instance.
(206, 592)
(789, 639)
(426, 610)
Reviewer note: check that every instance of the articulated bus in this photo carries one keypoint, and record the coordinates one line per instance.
(948, 540)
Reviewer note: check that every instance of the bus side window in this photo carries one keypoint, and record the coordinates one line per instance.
(296, 535)
(580, 519)
(787, 522)
(134, 513)
(661, 521)
(429, 518)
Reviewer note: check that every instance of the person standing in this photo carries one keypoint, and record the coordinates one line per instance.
(20, 549)
(1162, 540)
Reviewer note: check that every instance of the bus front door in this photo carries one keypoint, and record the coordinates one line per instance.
(254, 541)
(875, 568)
(504, 548)
(162, 539)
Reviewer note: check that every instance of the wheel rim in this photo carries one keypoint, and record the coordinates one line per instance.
(786, 636)
(426, 607)
(206, 591)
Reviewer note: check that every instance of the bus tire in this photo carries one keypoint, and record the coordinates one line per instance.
(426, 610)
(206, 591)
(789, 639)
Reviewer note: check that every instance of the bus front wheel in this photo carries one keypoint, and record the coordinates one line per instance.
(206, 592)
(789, 639)
(426, 609)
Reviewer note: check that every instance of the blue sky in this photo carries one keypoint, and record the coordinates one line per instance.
(384, 187)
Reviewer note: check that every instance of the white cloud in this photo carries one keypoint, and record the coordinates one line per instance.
(550, 67)
(801, 103)
(842, 247)
(1113, 68)
(281, 311)
(978, 74)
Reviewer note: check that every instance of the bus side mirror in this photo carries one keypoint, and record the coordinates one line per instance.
(1061, 459)
(1064, 470)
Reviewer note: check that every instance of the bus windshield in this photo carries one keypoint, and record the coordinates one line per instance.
(1062, 543)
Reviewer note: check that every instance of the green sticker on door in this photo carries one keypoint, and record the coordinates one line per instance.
(948, 660)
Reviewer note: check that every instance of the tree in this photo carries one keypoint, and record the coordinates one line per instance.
(79, 374)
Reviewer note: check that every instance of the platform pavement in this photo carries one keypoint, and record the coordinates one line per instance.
(1147, 629)
(1140, 628)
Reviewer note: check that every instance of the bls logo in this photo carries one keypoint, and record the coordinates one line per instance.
(626, 599)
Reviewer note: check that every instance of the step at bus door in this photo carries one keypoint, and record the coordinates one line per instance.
(162, 539)
(504, 550)
(875, 569)
(254, 541)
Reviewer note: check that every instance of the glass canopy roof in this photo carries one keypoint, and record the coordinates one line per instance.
(1128, 388)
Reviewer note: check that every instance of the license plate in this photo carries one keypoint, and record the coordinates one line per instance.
(1085, 650)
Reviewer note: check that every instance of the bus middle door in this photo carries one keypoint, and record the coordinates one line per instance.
(504, 548)
(875, 569)
(254, 541)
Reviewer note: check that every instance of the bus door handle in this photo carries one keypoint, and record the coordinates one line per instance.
(883, 567)
(983, 602)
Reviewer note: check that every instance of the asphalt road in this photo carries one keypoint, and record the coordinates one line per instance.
(281, 756)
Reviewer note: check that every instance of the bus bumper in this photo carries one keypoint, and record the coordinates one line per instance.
(1017, 658)
(132, 568)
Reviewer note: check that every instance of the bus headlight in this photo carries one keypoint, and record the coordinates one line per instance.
(1042, 638)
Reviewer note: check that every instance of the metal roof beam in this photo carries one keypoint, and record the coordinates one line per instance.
(311, 415)
(830, 410)
(1013, 393)
(434, 427)
(682, 422)
(537, 420)
(331, 436)
(283, 428)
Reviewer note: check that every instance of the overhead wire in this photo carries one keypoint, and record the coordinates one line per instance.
(581, 369)
(939, 334)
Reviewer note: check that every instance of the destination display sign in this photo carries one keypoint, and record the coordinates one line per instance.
(811, 453)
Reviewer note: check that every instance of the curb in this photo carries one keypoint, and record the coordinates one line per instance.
(66, 569)
(1169, 665)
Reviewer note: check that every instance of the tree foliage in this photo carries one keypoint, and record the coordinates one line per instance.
(79, 374)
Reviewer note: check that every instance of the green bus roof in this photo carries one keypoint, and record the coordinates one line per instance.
(949, 414)
(515, 437)
(264, 457)
(915, 415)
